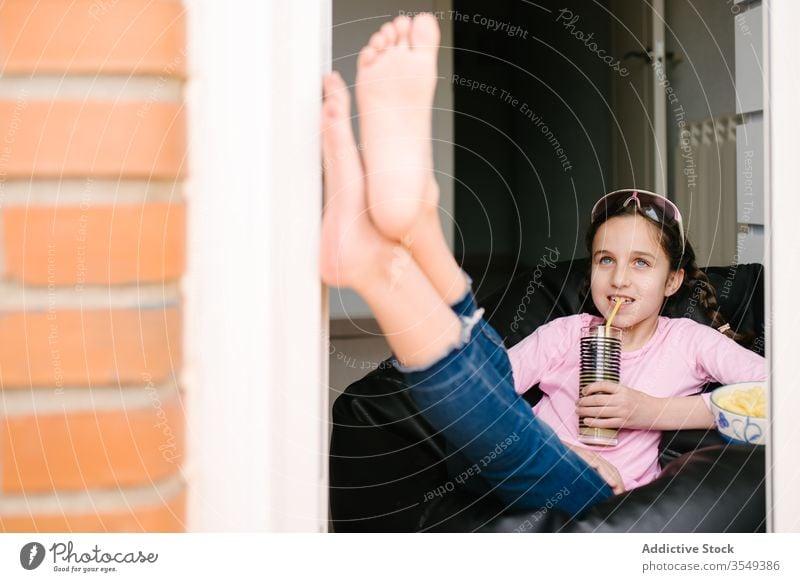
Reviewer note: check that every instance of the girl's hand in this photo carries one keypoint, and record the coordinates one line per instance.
(609, 405)
(607, 471)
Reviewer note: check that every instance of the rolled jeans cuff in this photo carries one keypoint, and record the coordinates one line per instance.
(468, 322)
(466, 305)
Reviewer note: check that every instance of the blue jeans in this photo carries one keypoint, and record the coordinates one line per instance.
(495, 442)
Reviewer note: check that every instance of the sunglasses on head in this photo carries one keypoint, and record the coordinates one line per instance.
(652, 205)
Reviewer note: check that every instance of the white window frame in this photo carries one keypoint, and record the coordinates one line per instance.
(781, 96)
(255, 370)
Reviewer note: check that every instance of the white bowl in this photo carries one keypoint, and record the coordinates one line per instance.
(735, 427)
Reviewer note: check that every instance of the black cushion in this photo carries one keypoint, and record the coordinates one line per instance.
(703, 491)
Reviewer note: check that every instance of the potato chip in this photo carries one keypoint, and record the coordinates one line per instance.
(750, 401)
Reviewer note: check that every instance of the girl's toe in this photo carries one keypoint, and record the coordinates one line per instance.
(402, 26)
(389, 33)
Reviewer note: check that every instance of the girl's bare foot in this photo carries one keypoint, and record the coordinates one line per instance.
(395, 84)
(351, 246)
(419, 327)
(426, 242)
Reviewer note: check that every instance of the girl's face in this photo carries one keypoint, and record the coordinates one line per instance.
(628, 261)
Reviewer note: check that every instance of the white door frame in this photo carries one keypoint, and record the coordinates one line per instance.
(782, 117)
(255, 370)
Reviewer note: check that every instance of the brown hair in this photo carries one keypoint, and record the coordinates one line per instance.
(695, 282)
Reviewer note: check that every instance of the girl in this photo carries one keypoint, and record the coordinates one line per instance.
(638, 254)
(384, 240)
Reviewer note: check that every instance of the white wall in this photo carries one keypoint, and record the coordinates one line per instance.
(718, 46)
(701, 34)
(750, 180)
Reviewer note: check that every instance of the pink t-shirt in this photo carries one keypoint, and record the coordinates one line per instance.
(678, 359)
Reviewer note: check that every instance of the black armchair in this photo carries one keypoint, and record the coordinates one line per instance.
(385, 457)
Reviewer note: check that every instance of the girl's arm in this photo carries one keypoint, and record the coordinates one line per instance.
(610, 405)
(715, 357)
(682, 412)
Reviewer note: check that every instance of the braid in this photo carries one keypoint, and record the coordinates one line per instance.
(697, 284)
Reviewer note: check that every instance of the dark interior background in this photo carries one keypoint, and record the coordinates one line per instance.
(514, 197)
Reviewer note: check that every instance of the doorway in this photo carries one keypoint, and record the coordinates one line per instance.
(532, 119)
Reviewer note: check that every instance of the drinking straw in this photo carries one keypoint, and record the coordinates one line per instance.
(618, 302)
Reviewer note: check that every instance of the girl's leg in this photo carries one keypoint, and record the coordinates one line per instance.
(403, 153)
(474, 407)
(519, 458)
(394, 88)
(496, 357)
(419, 326)
(491, 342)
(395, 85)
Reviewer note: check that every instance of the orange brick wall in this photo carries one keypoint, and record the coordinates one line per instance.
(92, 250)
